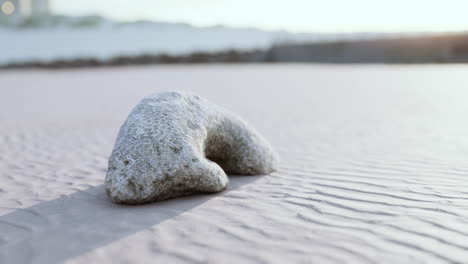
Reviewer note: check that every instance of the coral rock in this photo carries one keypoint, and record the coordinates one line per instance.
(176, 143)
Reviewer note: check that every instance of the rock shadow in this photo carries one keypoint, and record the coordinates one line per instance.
(72, 225)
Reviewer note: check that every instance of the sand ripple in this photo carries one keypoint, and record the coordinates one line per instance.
(373, 168)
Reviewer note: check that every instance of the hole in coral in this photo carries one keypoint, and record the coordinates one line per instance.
(126, 162)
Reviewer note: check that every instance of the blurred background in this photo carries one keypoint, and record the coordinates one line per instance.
(60, 33)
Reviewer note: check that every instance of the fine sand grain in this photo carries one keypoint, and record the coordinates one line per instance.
(374, 167)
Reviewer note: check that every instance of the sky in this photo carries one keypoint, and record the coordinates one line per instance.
(291, 15)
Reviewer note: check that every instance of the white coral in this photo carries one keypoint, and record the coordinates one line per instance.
(176, 143)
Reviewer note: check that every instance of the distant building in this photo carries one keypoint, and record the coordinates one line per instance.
(23, 8)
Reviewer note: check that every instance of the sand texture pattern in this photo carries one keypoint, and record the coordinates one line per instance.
(373, 169)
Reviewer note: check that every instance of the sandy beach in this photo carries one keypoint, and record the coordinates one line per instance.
(374, 167)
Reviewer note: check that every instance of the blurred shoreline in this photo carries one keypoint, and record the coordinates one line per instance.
(230, 56)
(446, 48)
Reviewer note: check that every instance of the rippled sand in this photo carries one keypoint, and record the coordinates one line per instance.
(374, 167)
